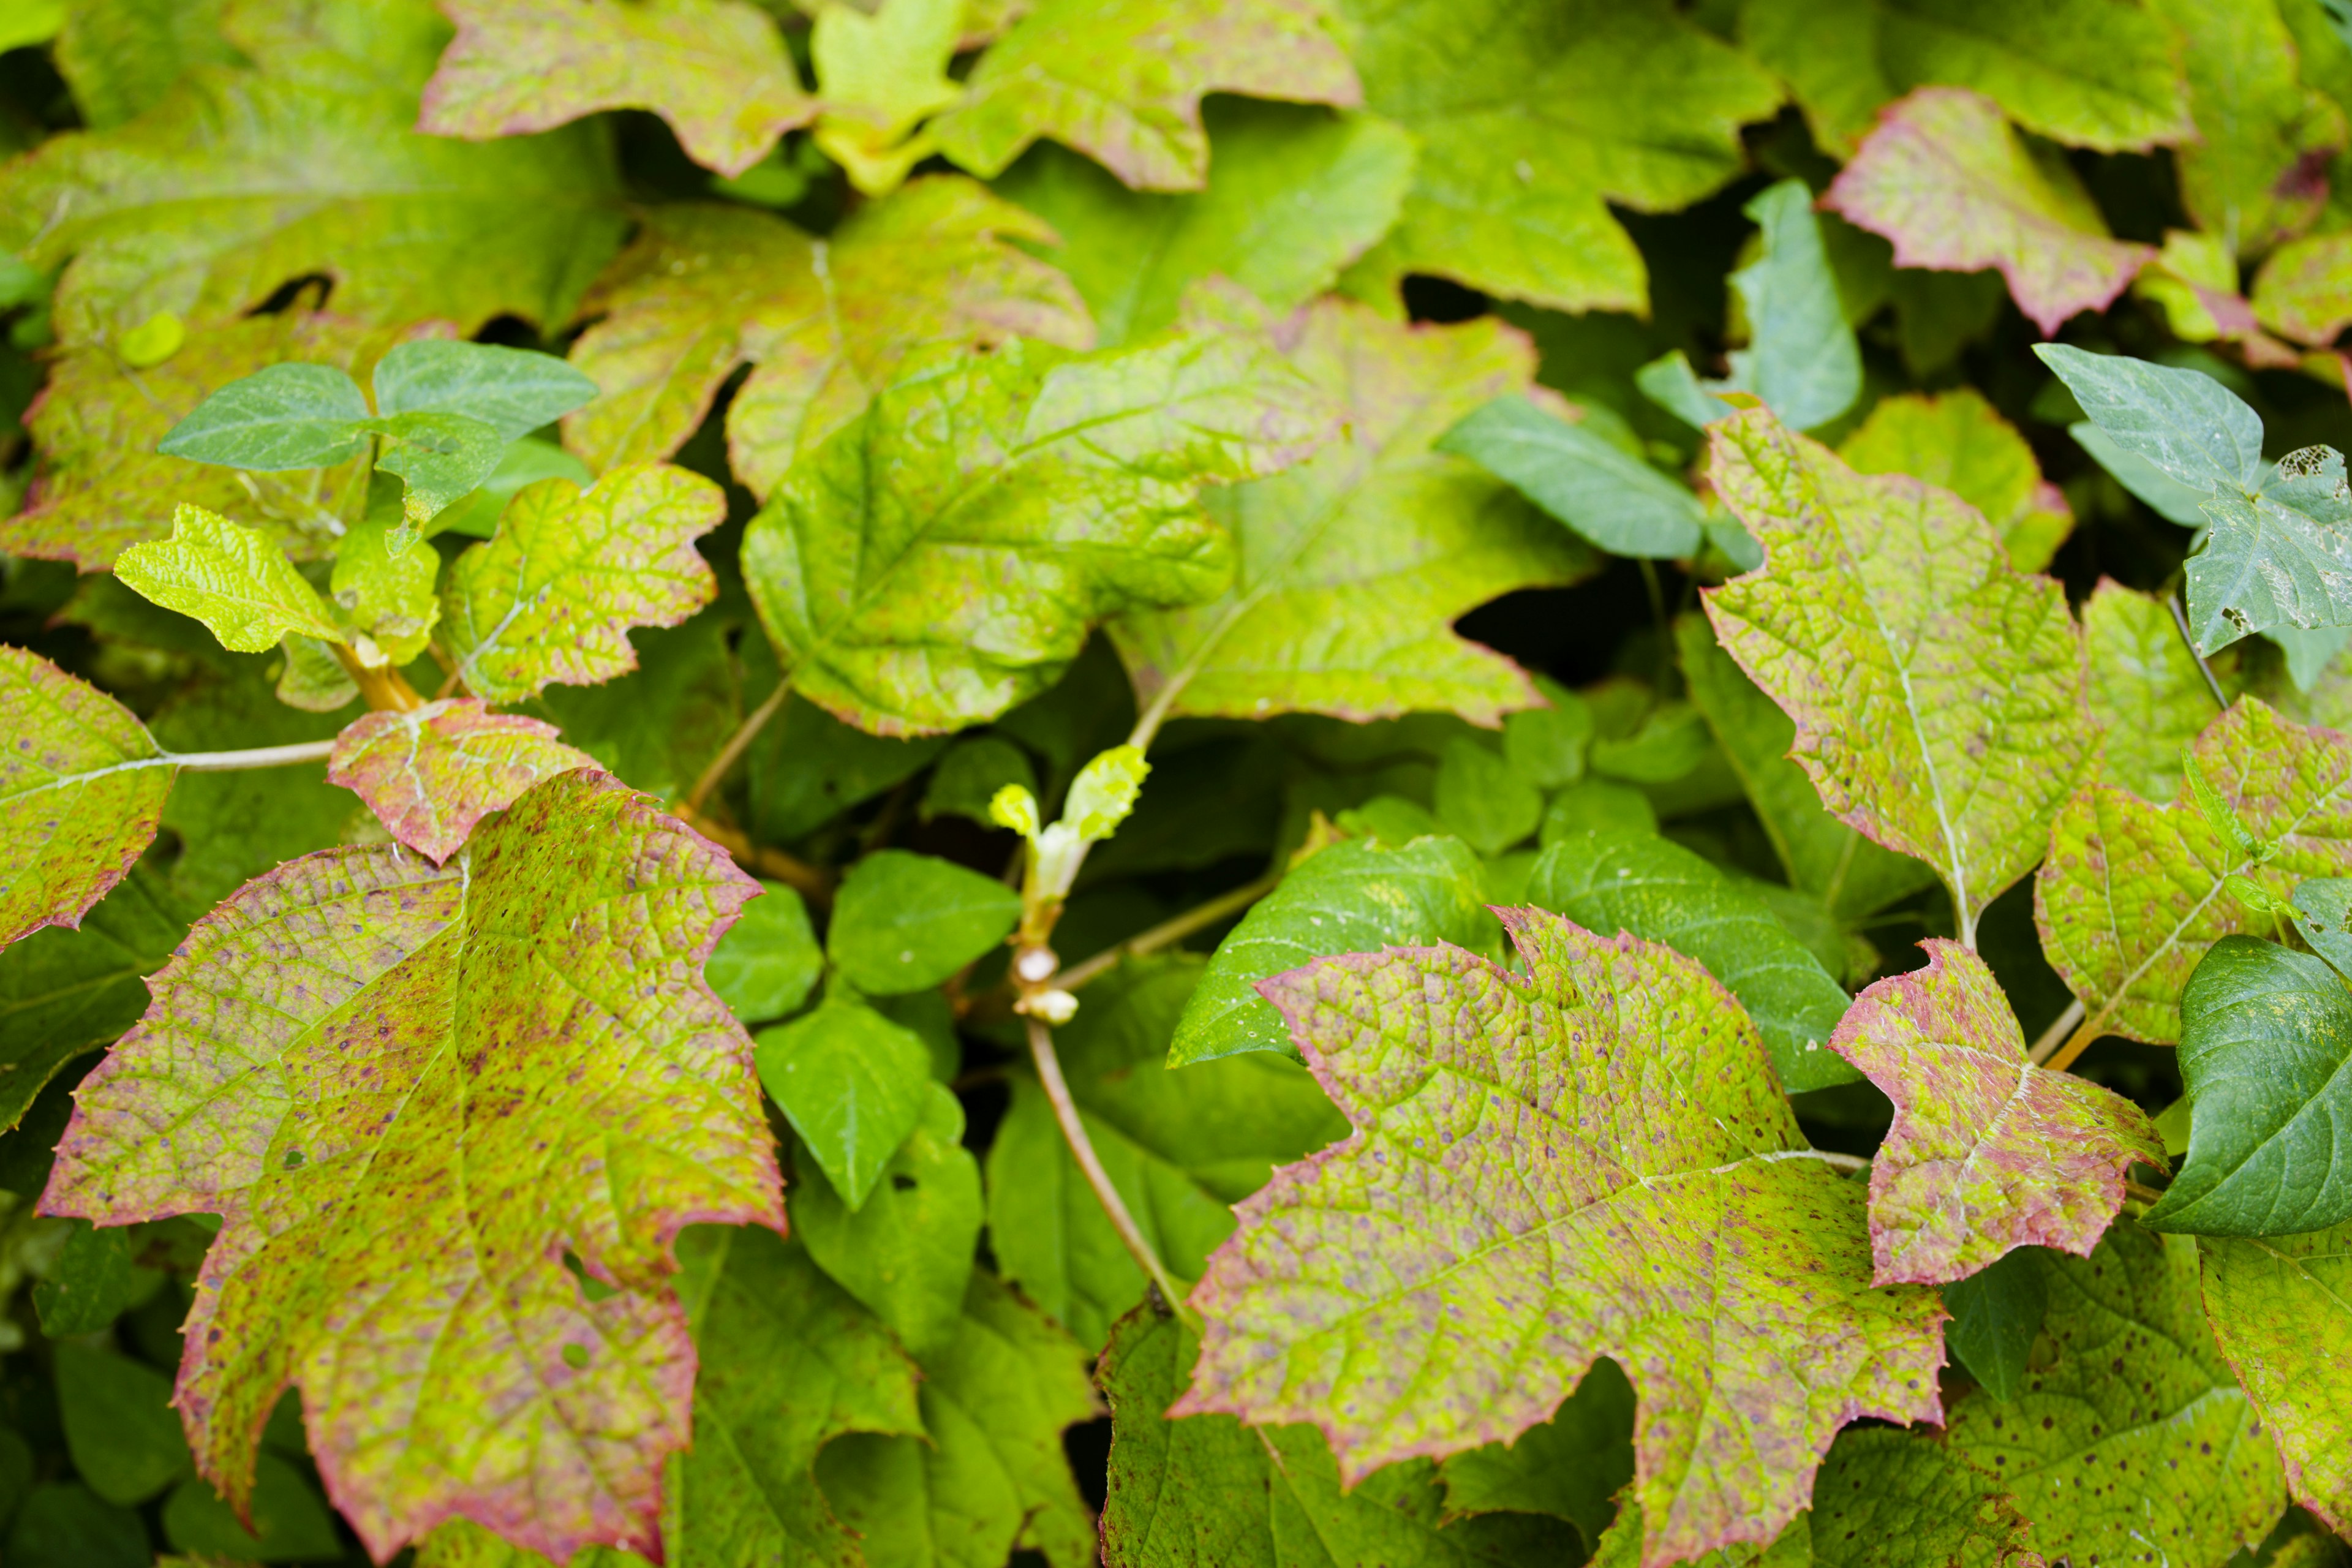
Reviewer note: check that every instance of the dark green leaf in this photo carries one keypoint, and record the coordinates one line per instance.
(62, 1525)
(1482, 800)
(282, 417)
(1995, 1316)
(1610, 497)
(1572, 1465)
(852, 1083)
(120, 1424)
(290, 1522)
(94, 1280)
(903, 922)
(765, 964)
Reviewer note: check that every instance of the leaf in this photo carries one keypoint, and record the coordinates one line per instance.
(1606, 494)
(905, 922)
(1356, 897)
(825, 323)
(715, 69)
(1295, 194)
(431, 774)
(82, 787)
(513, 391)
(119, 56)
(992, 1478)
(63, 992)
(65, 1520)
(1572, 1465)
(1997, 1315)
(118, 1424)
(2276, 1305)
(241, 179)
(1987, 1152)
(1122, 82)
(1481, 801)
(290, 1521)
(389, 598)
(2131, 897)
(388, 1101)
(281, 417)
(1353, 566)
(1660, 891)
(1560, 110)
(1938, 692)
(767, 962)
(2303, 290)
(2195, 431)
(234, 579)
(941, 557)
(853, 1085)
(92, 1280)
(1955, 441)
(2085, 72)
(2252, 178)
(1890, 1500)
(882, 74)
(1852, 875)
(1801, 358)
(1696, 1246)
(2135, 1432)
(2145, 694)
(1957, 190)
(549, 599)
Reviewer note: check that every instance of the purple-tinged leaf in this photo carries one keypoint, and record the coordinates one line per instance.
(432, 774)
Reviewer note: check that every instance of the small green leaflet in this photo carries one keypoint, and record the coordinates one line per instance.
(234, 579)
(1611, 497)
(1997, 1315)
(2277, 1309)
(767, 961)
(905, 921)
(431, 774)
(852, 1083)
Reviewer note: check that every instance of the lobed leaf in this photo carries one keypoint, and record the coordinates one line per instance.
(1594, 1160)
(2146, 695)
(2277, 1310)
(882, 75)
(416, 1091)
(1955, 441)
(1987, 1152)
(431, 773)
(234, 579)
(1938, 692)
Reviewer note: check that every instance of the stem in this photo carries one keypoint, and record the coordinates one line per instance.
(1174, 929)
(385, 688)
(2189, 641)
(1082, 1149)
(2060, 1027)
(1836, 1161)
(2141, 1191)
(259, 757)
(737, 744)
(2077, 1044)
(812, 882)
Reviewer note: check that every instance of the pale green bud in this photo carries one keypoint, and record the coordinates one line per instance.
(1014, 807)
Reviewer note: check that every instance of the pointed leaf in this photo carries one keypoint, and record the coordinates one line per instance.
(767, 961)
(1600, 1149)
(81, 788)
(2131, 897)
(852, 1083)
(1573, 1465)
(430, 773)
(460, 1078)
(2278, 561)
(234, 579)
(1605, 493)
(715, 69)
(907, 922)
(1957, 190)
(2278, 1309)
(1997, 1316)
(2145, 694)
(1937, 692)
(437, 456)
(1122, 82)
(1956, 441)
(825, 323)
(2251, 175)
(1354, 566)
(550, 598)
(512, 390)
(281, 417)
(943, 556)
(1801, 358)
(2192, 428)
(1987, 1152)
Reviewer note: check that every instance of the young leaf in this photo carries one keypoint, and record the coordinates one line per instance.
(305, 162)
(1123, 82)
(1957, 189)
(234, 579)
(457, 1059)
(1605, 493)
(512, 390)
(2131, 897)
(2195, 431)
(2277, 1307)
(2244, 178)
(1956, 441)
(1937, 692)
(391, 598)
(2134, 1433)
(767, 962)
(82, 787)
(1526, 138)
(430, 773)
(1987, 1152)
(1356, 897)
(882, 75)
(2146, 695)
(66, 992)
(549, 599)
(905, 922)
(823, 322)
(1295, 195)
(715, 69)
(852, 1083)
(1997, 1315)
(1679, 1230)
(1353, 567)
(281, 417)
(1662, 893)
(941, 557)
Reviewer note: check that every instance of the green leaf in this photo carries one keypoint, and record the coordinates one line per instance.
(524, 462)
(1987, 1152)
(241, 179)
(1800, 358)
(2241, 178)
(234, 579)
(1480, 800)
(907, 1252)
(1296, 193)
(2195, 431)
(281, 417)
(906, 922)
(2131, 897)
(290, 1522)
(513, 391)
(82, 785)
(1955, 441)
(852, 1083)
(942, 557)
(1894, 1500)
(1353, 566)
(1571, 1466)
(2277, 1310)
(431, 773)
(824, 323)
(992, 1478)
(1587, 481)
(1560, 109)
(715, 69)
(120, 1425)
(1547, 746)
(94, 1279)
(969, 774)
(2166, 496)
(769, 960)
(61, 1523)
(1997, 1315)
(882, 74)
(1944, 722)
(485, 1059)
(438, 457)
(241, 823)
(2135, 1432)
(1639, 1205)
(2085, 72)
(1957, 189)
(63, 992)
(2303, 290)
(548, 600)
(1633, 882)
(120, 56)
(1116, 83)
(2145, 694)
(1357, 896)
(808, 767)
